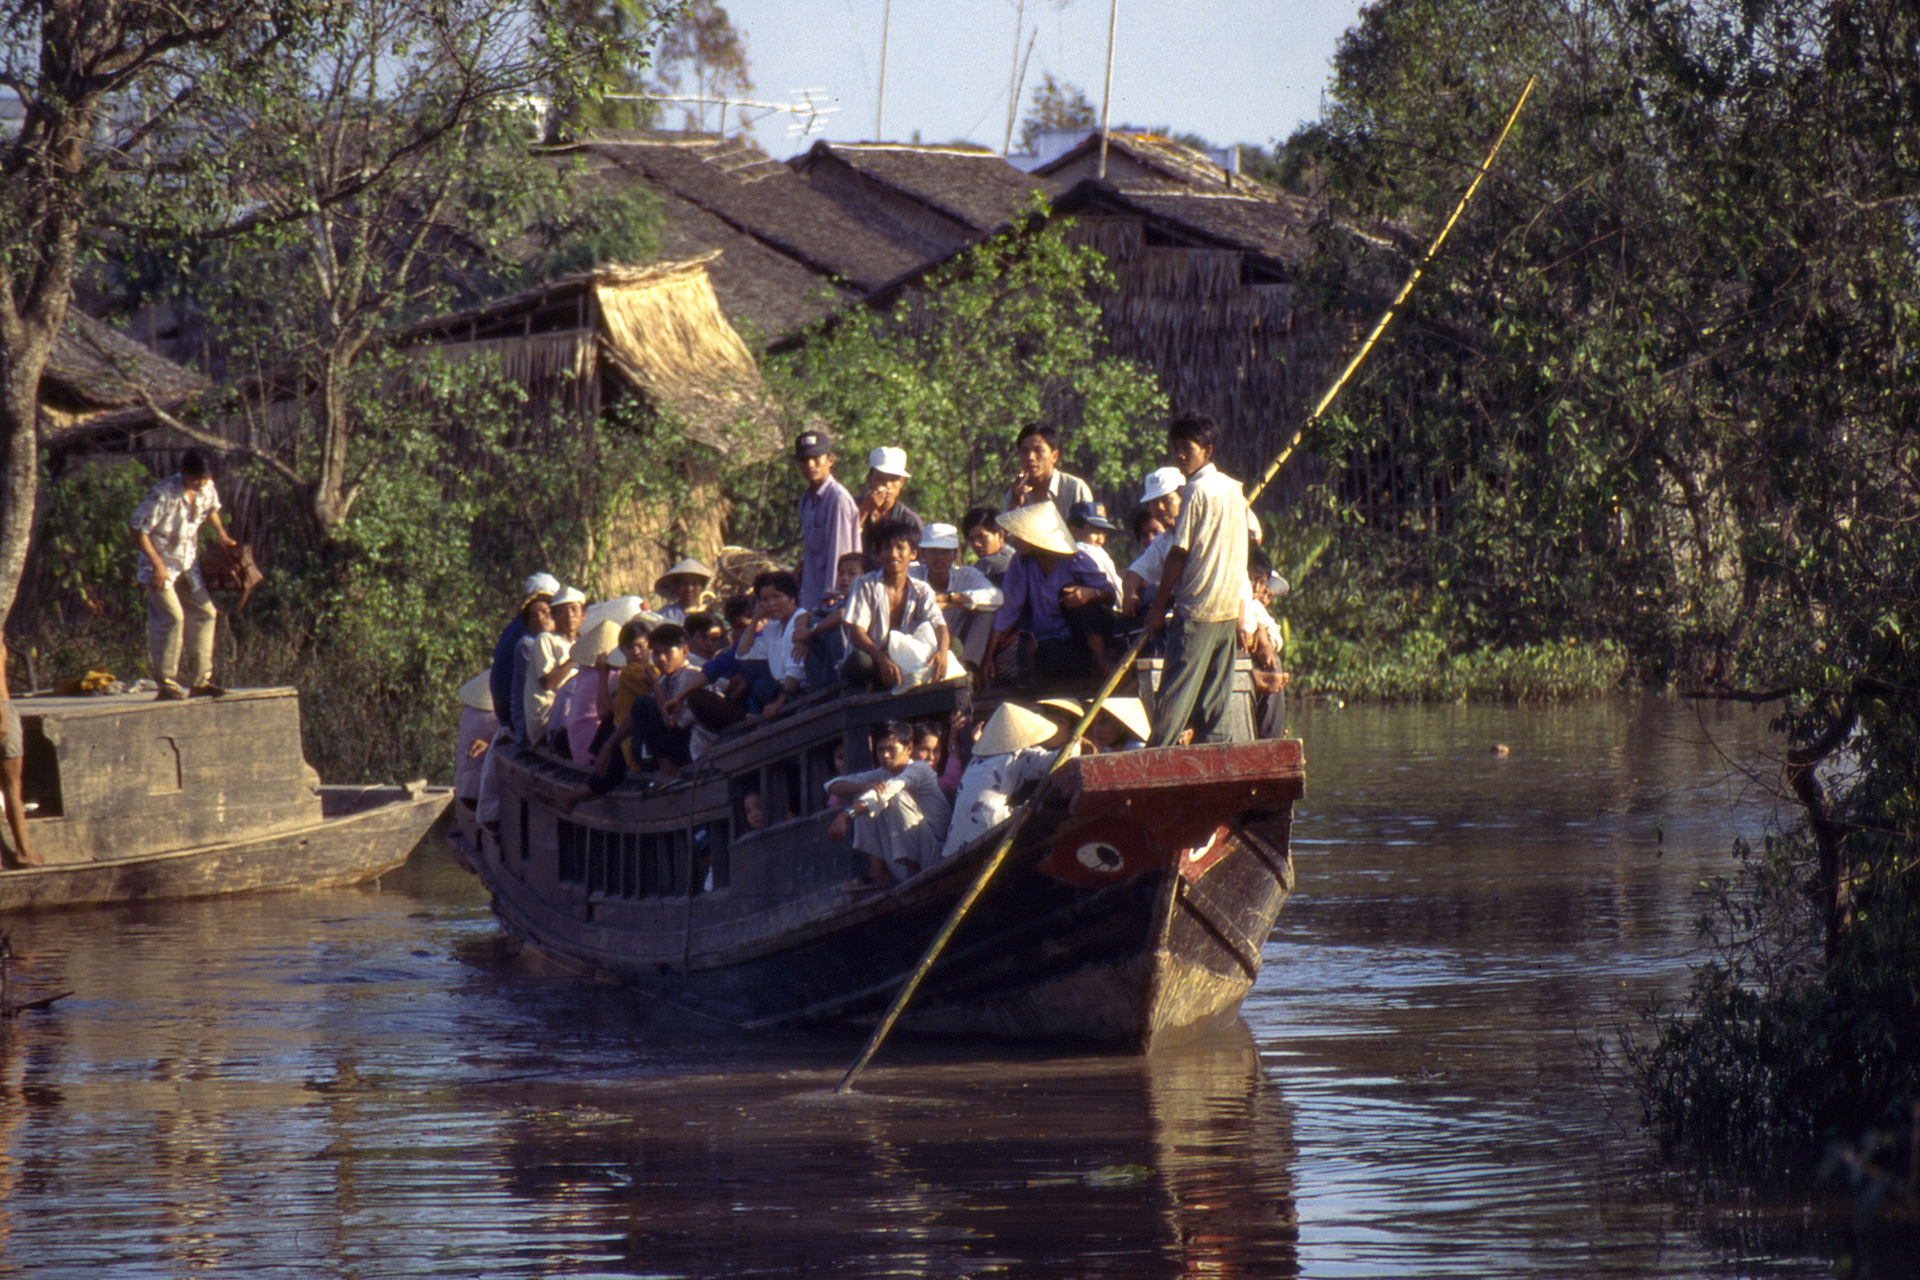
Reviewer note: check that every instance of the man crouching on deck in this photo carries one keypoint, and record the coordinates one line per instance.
(1204, 577)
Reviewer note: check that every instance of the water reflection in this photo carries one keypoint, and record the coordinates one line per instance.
(362, 1084)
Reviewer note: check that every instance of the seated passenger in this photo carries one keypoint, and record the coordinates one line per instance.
(1058, 615)
(1016, 748)
(549, 664)
(930, 749)
(767, 684)
(991, 554)
(684, 587)
(1089, 526)
(822, 632)
(1261, 637)
(895, 629)
(896, 812)
(659, 721)
(967, 597)
(1149, 533)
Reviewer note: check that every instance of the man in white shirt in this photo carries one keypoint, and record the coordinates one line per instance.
(165, 531)
(1204, 579)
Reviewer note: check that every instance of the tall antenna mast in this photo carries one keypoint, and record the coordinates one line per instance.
(880, 92)
(1106, 97)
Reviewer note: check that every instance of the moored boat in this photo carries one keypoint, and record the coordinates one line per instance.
(1131, 911)
(135, 799)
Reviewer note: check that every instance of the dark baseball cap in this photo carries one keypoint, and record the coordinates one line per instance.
(812, 444)
(1093, 515)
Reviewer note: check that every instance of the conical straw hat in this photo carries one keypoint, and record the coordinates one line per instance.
(478, 692)
(1132, 713)
(1013, 728)
(1038, 524)
(595, 644)
(1068, 705)
(689, 567)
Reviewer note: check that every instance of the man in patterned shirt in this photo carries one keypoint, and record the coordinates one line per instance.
(165, 530)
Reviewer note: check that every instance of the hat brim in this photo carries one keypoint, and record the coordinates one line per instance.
(1013, 728)
(1038, 525)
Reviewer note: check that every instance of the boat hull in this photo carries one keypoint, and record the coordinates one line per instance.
(376, 831)
(1131, 911)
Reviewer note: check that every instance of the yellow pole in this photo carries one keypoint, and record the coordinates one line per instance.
(1386, 317)
(1019, 820)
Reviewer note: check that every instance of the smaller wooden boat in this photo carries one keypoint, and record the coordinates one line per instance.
(135, 799)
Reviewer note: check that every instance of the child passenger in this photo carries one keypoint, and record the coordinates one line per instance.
(659, 720)
(684, 587)
(896, 812)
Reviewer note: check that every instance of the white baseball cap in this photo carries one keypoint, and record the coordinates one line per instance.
(1163, 482)
(570, 595)
(889, 461)
(540, 584)
(940, 537)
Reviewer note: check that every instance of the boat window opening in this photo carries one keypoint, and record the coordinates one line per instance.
(710, 855)
(789, 796)
(526, 843)
(571, 866)
(819, 774)
(656, 865)
(681, 854)
(40, 773)
(628, 879)
(596, 860)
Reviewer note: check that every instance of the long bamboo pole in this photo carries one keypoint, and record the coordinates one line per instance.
(1386, 317)
(1019, 820)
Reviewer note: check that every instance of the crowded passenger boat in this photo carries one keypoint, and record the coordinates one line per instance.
(761, 803)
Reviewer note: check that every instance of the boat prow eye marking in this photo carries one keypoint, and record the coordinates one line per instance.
(1097, 855)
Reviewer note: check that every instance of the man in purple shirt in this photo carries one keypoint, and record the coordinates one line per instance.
(829, 518)
(1057, 599)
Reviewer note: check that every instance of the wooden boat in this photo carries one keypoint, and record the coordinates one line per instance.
(1132, 910)
(136, 799)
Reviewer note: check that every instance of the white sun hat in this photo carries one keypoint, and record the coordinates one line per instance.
(940, 537)
(1162, 482)
(889, 461)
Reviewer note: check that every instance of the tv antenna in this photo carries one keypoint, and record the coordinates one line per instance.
(809, 109)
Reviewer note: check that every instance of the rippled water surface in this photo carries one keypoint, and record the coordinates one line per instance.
(362, 1084)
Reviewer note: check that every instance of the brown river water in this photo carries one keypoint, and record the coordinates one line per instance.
(362, 1083)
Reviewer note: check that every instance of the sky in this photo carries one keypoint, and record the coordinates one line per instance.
(1228, 70)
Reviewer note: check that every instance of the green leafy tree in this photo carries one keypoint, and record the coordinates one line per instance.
(703, 56)
(1008, 334)
(1656, 393)
(97, 86)
(1057, 105)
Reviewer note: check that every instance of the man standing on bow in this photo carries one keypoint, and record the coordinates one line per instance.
(165, 530)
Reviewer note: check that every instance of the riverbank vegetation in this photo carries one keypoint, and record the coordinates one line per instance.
(1656, 400)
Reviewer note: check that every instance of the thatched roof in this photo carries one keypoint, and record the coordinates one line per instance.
(94, 370)
(1276, 229)
(1139, 158)
(786, 244)
(937, 197)
(658, 326)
